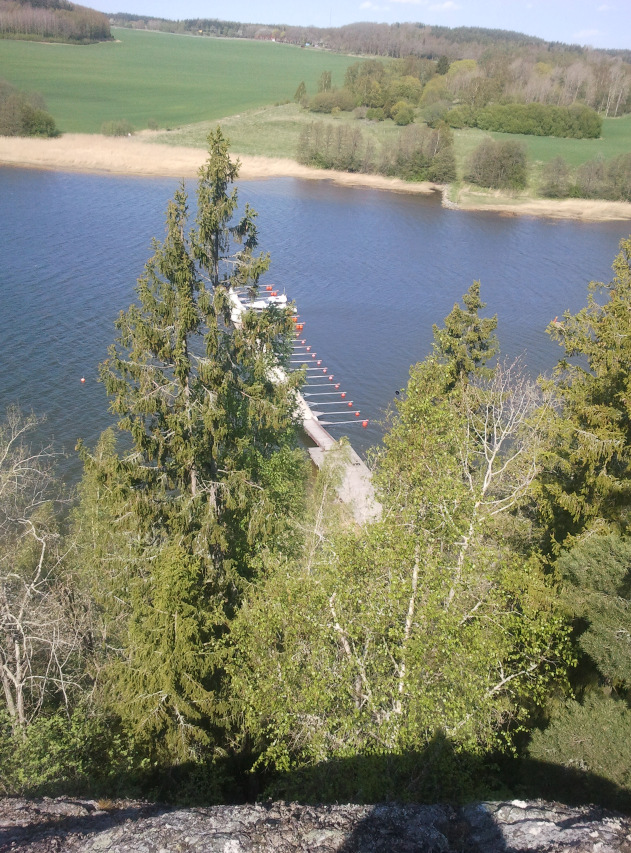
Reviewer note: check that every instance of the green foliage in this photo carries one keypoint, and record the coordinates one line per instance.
(402, 113)
(418, 154)
(467, 341)
(500, 165)
(434, 625)
(598, 591)
(81, 755)
(594, 737)
(326, 101)
(588, 482)
(300, 93)
(576, 121)
(120, 127)
(442, 65)
(24, 113)
(212, 471)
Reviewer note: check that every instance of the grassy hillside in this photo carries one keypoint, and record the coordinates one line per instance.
(169, 79)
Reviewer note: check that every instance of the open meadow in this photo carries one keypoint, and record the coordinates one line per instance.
(170, 80)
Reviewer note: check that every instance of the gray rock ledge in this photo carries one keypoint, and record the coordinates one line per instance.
(46, 825)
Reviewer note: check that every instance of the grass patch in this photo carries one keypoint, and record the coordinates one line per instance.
(161, 78)
(273, 131)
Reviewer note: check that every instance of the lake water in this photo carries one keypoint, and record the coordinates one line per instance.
(371, 271)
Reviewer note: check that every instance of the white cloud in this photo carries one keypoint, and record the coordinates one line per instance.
(374, 6)
(605, 7)
(411, 2)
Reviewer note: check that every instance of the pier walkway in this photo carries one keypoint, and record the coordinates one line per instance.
(356, 489)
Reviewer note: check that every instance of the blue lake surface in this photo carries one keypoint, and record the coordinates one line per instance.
(370, 271)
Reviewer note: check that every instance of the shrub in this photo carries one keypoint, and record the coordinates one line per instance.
(402, 113)
(24, 114)
(500, 165)
(325, 102)
(117, 128)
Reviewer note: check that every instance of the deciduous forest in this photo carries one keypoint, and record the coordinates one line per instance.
(203, 621)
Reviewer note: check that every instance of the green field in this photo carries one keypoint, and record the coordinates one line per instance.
(169, 79)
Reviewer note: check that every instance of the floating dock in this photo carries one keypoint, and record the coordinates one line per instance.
(356, 489)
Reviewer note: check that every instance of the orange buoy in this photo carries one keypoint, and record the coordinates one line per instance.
(350, 405)
(309, 350)
(82, 379)
(268, 287)
(330, 378)
(343, 393)
(319, 362)
(364, 424)
(313, 354)
(356, 414)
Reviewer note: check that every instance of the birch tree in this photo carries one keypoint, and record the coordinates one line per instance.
(40, 635)
(438, 618)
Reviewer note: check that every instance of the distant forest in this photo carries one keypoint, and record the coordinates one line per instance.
(52, 20)
(505, 66)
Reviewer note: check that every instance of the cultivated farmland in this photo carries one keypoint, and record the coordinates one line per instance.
(170, 80)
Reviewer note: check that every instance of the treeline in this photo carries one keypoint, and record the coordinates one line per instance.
(598, 178)
(419, 153)
(207, 625)
(575, 122)
(499, 66)
(52, 20)
(24, 113)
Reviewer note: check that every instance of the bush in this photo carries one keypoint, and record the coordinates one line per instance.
(402, 113)
(325, 102)
(499, 165)
(117, 128)
(24, 114)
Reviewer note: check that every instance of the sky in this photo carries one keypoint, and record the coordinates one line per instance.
(598, 23)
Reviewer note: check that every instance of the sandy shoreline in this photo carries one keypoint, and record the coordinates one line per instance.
(136, 156)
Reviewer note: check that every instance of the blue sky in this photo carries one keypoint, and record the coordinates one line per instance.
(599, 23)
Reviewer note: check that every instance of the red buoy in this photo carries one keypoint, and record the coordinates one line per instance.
(364, 424)
(82, 379)
(337, 385)
(356, 414)
(350, 405)
(343, 393)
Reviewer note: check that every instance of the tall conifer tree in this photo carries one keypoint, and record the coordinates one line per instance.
(210, 423)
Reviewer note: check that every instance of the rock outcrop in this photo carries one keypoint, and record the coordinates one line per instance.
(46, 825)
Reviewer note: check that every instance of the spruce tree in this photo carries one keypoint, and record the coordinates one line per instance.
(208, 422)
(588, 480)
(467, 341)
